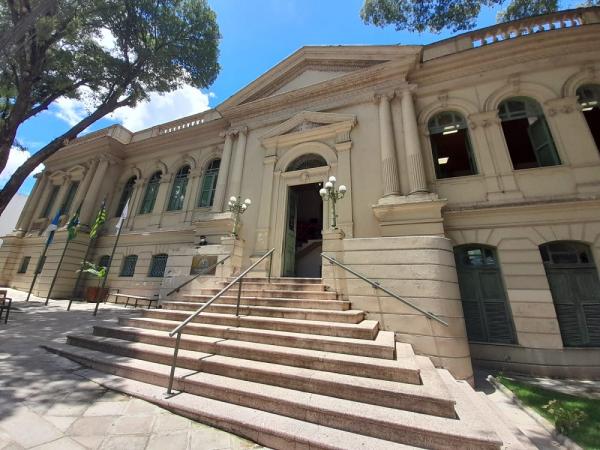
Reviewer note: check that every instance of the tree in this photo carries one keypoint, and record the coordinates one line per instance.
(457, 15)
(159, 45)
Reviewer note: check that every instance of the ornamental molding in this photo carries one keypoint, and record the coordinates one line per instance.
(563, 105)
(484, 119)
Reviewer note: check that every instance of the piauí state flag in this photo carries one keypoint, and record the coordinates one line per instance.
(100, 219)
(52, 227)
(123, 216)
(72, 225)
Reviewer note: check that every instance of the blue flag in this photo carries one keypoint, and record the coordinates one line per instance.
(53, 227)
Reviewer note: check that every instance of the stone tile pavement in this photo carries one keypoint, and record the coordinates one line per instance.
(44, 404)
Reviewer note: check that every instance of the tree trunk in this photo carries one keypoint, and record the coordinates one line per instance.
(17, 178)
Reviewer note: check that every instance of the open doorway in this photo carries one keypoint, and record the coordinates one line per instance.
(303, 240)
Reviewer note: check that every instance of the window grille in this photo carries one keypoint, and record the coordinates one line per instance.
(178, 190)
(128, 267)
(209, 184)
(158, 263)
(151, 193)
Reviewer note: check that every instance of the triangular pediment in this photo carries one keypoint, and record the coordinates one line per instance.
(317, 66)
(309, 120)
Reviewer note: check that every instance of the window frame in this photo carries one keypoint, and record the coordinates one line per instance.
(180, 181)
(589, 106)
(213, 173)
(69, 197)
(435, 129)
(128, 268)
(47, 211)
(148, 203)
(159, 258)
(126, 194)
(532, 109)
(24, 266)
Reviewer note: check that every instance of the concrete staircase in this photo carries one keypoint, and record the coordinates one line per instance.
(299, 368)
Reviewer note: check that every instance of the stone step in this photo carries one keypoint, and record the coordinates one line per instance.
(275, 293)
(367, 329)
(402, 369)
(336, 305)
(405, 427)
(381, 347)
(417, 398)
(348, 316)
(261, 285)
(280, 280)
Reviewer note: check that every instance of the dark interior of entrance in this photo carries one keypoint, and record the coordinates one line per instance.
(303, 239)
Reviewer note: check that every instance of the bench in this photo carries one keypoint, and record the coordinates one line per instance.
(5, 304)
(136, 299)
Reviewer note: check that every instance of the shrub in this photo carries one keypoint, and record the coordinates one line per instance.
(564, 419)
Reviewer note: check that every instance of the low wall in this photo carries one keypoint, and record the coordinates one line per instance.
(420, 269)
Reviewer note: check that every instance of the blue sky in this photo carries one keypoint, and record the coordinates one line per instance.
(256, 35)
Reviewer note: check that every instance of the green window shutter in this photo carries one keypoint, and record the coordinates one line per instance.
(542, 143)
(150, 195)
(178, 191)
(209, 184)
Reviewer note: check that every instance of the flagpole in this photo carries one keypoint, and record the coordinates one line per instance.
(57, 269)
(108, 268)
(80, 274)
(38, 269)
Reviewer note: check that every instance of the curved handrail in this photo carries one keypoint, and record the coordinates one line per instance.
(208, 269)
(376, 285)
(178, 329)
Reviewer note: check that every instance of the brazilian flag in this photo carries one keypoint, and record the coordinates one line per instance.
(100, 219)
(72, 225)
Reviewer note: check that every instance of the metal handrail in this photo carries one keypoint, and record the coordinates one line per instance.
(376, 285)
(178, 329)
(208, 269)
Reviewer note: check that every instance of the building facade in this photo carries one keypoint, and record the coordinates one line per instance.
(472, 168)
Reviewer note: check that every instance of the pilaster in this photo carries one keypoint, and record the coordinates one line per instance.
(31, 205)
(221, 187)
(235, 182)
(90, 205)
(82, 191)
(262, 228)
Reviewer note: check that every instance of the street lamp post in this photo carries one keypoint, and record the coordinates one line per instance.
(238, 207)
(330, 193)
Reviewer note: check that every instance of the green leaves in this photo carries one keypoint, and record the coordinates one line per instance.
(456, 15)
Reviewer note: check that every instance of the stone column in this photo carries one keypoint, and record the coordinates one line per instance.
(32, 204)
(221, 187)
(389, 164)
(90, 205)
(235, 183)
(60, 198)
(44, 196)
(82, 191)
(414, 157)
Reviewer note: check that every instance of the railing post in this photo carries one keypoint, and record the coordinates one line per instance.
(172, 375)
(237, 308)
(270, 264)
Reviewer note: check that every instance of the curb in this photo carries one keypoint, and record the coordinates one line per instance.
(542, 421)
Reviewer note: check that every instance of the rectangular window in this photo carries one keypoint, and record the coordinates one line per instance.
(24, 264)
(158, 265)
(40, 265)
(50, 202)
(128, 267)
(66, 206)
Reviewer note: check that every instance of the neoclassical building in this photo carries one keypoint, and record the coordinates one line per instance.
(472, 168)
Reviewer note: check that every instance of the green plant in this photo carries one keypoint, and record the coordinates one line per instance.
(565, 419)
(91, 268)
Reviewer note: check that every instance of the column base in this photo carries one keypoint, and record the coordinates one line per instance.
(418, 214)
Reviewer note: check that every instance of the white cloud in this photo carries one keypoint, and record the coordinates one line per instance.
(16, 158)
(70, 110)
(163, 108)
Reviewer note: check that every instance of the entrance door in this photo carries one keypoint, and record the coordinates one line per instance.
(486, 312)
(289, 251)
(575, 288)
(303, 240)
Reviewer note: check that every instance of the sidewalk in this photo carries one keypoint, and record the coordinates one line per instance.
(45, 405)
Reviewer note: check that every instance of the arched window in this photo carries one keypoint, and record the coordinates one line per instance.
(68, 200)
(158, 263)
(178, 190)
(128, 267)
(125, 196)
(50, 202)
(486, 311)
(451, 146)
(209, 183)
(527, 135)
(151, 193)
(589, 99)
(308, 161)
(573, 279)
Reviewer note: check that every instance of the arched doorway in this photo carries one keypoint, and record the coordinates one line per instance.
(486, 311)
(573, 280)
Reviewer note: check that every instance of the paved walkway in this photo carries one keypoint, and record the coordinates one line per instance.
(45, 405)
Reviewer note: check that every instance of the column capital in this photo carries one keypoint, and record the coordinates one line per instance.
(406, 90)
(383, 95)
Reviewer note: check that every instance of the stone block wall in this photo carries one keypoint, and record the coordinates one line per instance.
(421, 270)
